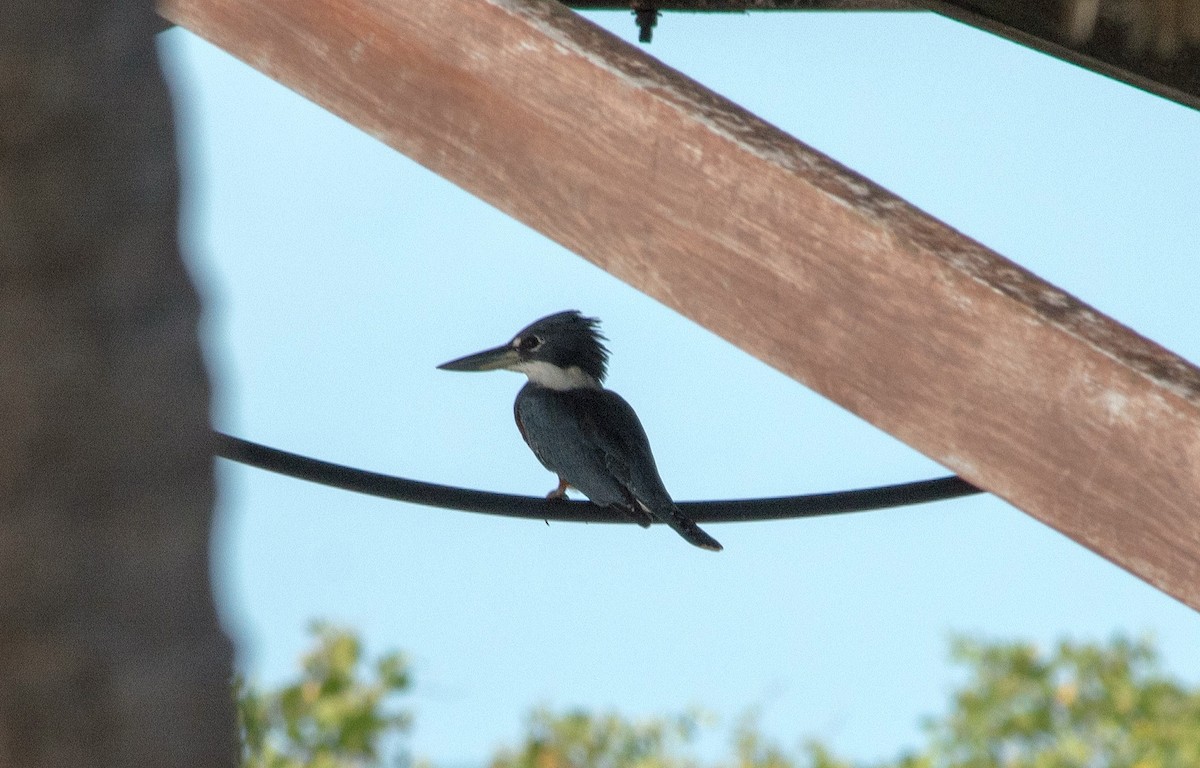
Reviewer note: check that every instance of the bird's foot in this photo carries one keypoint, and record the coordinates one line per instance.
(560, 492)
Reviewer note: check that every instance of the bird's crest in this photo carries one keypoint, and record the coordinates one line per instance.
(570, 339)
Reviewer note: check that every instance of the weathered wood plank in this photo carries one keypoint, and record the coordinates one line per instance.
(965, 356)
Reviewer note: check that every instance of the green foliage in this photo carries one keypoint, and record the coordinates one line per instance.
(578, 739)
(332, 716)
(1082, 705)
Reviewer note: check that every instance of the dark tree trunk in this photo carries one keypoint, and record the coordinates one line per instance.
(110, 651)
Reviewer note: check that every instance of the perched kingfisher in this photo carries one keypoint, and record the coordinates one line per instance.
(582, 432)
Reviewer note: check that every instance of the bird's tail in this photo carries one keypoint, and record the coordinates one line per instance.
(687, 528)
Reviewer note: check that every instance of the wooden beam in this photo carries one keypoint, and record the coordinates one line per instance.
(963, 355)
(1109, 48)
(742, 6)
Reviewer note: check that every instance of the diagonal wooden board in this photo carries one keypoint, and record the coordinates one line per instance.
(1012, 383)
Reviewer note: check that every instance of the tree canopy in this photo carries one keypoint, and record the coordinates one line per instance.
(340, 712)
(1077, 705)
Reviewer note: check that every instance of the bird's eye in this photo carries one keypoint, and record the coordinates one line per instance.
(529, 343)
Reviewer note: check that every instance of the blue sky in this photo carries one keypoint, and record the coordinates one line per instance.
(338, 274)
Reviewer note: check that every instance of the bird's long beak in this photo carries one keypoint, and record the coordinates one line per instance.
(487, 360)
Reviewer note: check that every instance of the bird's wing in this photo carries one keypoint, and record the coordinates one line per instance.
(593, 439)
(628, 458)
(625, 447)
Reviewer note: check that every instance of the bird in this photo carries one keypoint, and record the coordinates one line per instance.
(587, 435)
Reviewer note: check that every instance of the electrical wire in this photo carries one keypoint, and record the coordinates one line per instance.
(563, 510)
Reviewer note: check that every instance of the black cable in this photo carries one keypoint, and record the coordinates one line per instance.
(535, 508)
